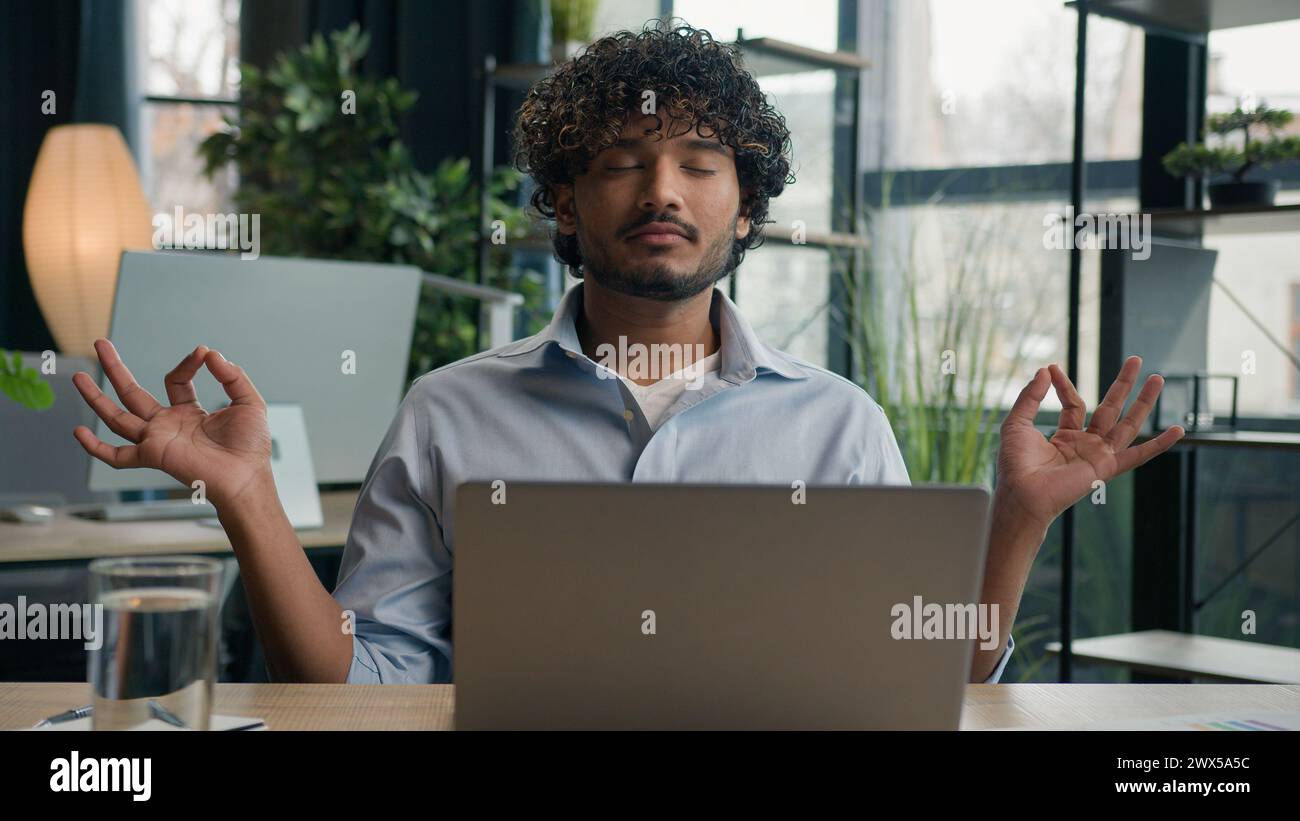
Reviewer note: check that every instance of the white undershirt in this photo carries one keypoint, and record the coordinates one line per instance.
(656, 398)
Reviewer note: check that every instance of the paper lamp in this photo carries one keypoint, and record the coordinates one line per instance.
(84, 207)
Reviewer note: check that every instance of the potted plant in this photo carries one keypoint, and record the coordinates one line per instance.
(316, 144)
(571, 24)
(909, 314)
(1226, 157)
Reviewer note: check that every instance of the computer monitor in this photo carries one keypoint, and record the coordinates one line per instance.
(333, 337)
(1158, 304)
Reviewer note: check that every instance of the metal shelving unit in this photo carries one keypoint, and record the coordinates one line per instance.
(1192, 18)
(1165, 489)
(1194, 224)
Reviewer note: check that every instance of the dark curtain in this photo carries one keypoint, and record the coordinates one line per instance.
(38, 47)
(79, 50)
(108, 85)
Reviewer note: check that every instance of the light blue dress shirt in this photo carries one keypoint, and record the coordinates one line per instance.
(539, 409)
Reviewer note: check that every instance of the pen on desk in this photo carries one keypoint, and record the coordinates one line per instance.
(67, 715)
(167, 716)
(252, 726)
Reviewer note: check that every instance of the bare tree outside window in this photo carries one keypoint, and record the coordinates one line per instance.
(191, 79)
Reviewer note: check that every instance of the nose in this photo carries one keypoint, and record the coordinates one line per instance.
(661, 191)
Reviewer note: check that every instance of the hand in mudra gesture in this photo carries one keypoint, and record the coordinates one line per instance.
(1040, 477)
(227, 448)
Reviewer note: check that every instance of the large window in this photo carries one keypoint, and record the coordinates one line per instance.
(191, 80)
(967, 155)
(1000, 87)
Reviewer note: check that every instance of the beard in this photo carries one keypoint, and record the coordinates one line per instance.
(657, 280)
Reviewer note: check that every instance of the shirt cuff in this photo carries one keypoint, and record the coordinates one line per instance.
(363, 669)
(1002, 662)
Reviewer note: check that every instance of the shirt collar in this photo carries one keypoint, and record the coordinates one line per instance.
(743, 355)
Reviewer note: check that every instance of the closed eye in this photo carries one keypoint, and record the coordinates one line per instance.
(634, 167)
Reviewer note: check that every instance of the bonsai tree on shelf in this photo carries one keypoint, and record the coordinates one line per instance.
(1260, 146)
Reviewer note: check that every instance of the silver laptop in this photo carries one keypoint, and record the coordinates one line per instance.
(638, 606)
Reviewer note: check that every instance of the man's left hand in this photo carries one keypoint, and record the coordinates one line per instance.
(1038, 478)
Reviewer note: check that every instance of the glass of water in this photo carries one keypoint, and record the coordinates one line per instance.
(157, 657)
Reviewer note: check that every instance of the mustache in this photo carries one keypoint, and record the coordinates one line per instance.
(690, 232)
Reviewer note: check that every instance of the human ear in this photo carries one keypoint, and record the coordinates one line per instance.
(566, 216)
(742, 218)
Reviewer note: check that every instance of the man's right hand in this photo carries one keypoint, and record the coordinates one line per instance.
(228, 449)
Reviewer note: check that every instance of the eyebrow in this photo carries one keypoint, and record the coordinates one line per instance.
(697, 143)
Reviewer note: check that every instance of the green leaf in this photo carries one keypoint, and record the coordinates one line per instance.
(298, 97)
(24, 385)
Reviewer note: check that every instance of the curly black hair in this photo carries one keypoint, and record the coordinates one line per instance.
(578, 111)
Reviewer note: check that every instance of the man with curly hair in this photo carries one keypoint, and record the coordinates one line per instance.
(675, 98)
(656, 155)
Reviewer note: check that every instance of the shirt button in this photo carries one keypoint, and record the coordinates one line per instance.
(627, 414)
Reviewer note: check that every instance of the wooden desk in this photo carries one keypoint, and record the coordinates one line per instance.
(430, 706)
(69, 538)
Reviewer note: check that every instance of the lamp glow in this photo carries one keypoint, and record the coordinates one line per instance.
(84, 207)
